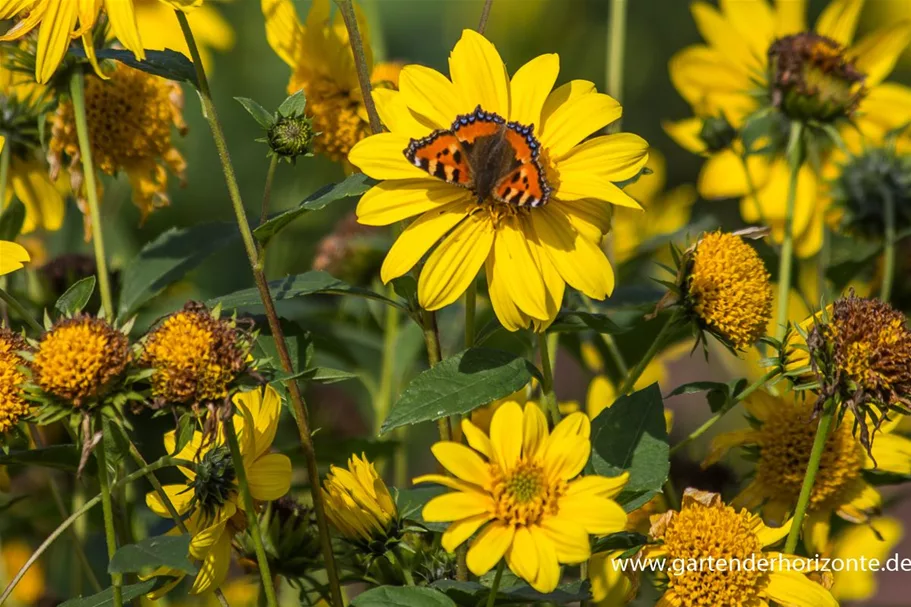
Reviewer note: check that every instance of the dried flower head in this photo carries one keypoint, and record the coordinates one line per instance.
(80, 359)
(12, 404)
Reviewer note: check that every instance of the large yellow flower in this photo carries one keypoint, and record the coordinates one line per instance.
(530, 252)
(59, 21)
(210, 495)
(727, 79)
(781, 436)
(518, 486)
(160, 30)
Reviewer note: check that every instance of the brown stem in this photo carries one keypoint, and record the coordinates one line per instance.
(485, 15)
(360, 61)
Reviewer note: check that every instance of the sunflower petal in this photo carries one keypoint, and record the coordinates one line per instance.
(838, 20)
(489, 547)
(419, 237)
(529, 88)
(462, 462)
(12, 257)
(575, 120)
(455, 262)
(456, 506)
(797, 590)
(398, 199)
(459, 531)
(478, 72)
(269, 477)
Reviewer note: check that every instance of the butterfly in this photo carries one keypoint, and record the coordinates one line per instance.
(489, 156)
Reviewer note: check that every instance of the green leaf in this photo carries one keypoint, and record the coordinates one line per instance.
(167, 63)
(186, 427)
(168, 258)
(163, 551)
(571, 321)
(76, 297)
(470, 594)
(12, 220)
(297, 341)
(354, 185)
(106, 597)
(459, 384)
(631, 436)
(718, 394)
(259, 113)
(293, 105)
(292, 287)
(59, 457)
(410, 503)
(623, 540)
(407, 596)
(320, 375)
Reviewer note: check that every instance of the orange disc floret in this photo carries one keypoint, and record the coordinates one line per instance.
(12, 405)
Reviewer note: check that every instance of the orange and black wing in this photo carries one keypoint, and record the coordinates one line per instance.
(441, 154)
(526, 184)
(476, 125)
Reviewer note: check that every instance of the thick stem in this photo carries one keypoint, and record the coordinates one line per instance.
(762, 381)
(19, 309)
(547, 383)
(889, 254)
(495, 587)
(108, 510)
(819, 445)
(786, 261)
(250, 508)
(485, 16)
(616, 45)
(77, 91)
(360, 62)
(297, 400)
(660, 341)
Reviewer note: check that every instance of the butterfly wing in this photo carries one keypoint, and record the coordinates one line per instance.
(526, 184)
(441, 154)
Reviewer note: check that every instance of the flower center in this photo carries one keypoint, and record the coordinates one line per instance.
(523, 495)
(812, 78)
(785, 444)
(701, 532)
(214, 483)
(12, 405)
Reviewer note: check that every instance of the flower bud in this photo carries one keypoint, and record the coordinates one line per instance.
(291, 136)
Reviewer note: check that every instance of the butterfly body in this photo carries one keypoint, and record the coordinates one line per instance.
(482, 152)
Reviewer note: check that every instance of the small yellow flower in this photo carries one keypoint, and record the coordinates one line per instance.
(518, 486)
(196, 357)
(79, 359)
(59, 21)
(706, 528)
(160, 30)
(358, 503)
(210, 498)
(129, 118)
(31, 587)
(529, 250)
(781, 437)
(320, 56)
(727, 288)
(874, 540)
(12, 405)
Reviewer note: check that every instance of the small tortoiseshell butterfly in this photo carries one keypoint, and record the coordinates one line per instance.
(487, 155)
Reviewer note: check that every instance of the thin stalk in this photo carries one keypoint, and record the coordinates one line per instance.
(609, 342)
(77, 91)
(5, 155)
(267, 190)
(616, 45)
(819, 444)
(434, 355)
(108, 510)
(786, 261)
(660, 341)
(387, 366)
(471, 305)
(297, 399)
(61, 509)
(889, 254)
(250, 508)
(360, 62)
(495, 587)
(547, 384)
(485, 16)
(19, 309)
(724, 410)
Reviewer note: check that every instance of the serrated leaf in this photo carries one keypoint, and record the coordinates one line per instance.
(631, 436)
(398, 596)
(259, 113)
(167, 63)
(169, 551)
(294, 105)
(76, 297)
(59, 457)
(353, 185)
(168, 258)
(105, 598)
(302, 285)
(12, 219)
(459, 384)
(574, 320)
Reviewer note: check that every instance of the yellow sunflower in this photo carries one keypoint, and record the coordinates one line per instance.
(707, 528)
(781, 436)
(518, 486)
(60, 21)
(160, 30)
(875, 540)
(726, 80)
(530, 252)
(210, 495)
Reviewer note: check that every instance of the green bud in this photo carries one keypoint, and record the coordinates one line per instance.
(868, 183)
(291, 136)
(717, 133)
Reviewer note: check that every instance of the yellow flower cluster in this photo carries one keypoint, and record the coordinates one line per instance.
(12, 405)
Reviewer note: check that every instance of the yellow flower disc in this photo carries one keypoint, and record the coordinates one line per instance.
(12, 405)
(728, 288)
(79, 357)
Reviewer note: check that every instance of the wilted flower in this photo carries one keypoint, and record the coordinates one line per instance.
(359, 505)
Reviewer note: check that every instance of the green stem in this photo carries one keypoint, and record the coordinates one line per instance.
(471, 305)
(397, 559)
(434, 355)
(616, 45)
(547, 383)
(724, 410)
(485, 16)
(819, 444)
(5, 156)
(108, 510)
(660, 341)
(297, 400)
(360, 62)
(786, 261)
(250, 508)
(889, 255)
(19, 309)
(387, 366)
(495, 587)
(77, 91)
(609, 342)
(267, 189)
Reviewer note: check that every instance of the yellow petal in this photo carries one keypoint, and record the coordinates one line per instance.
(54, 37)
(11, 8)
(522, 556)
(598, 515)
(892, 453)
(769, 536)
(504, 305)
(816, 528)
(459, 531)
(456, 506)
(446, 481)
(383, 157)
(534, 429)
(862, 500)
(479, 74)
(839, 20)
(516, 270)
(589, 215)
(562, 95)
(711, 83)
(476, 438)
(180, 496)
(616, 157)
(283, 29)
(576, 185)
(12, 257)
(723, 176)
(790, 16)
(726, 441)
(795, 589)
(548, 565)
(419, 237)
(214, 568)
(601, 486)
(875, 540)
(529, 88)
(394, 113)
(576, 119)
(553, 284)
(270, 477)
(686, 133)
(264, 407)
(430, 94)
(455, 263)
(398, 199)
(123, 25)
(569, 538)
(462, 462)
(754, 21)
(506, 442)
(877, 53)
(489, 547)
(206, 537)
(719, 33)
